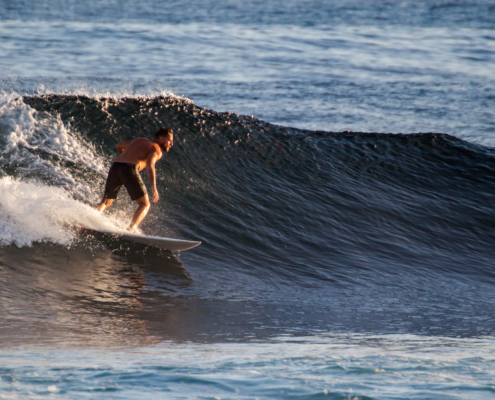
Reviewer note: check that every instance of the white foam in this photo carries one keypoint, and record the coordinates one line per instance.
(32, 212)
(26, 135)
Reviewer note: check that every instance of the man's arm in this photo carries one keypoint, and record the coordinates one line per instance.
(122, 145)
(153, 157)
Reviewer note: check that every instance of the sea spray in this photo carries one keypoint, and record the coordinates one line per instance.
(31, 212)
(40, 145)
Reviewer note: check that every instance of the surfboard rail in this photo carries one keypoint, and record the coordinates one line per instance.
(153, 241)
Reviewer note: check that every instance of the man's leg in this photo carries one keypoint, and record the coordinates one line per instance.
(140, 213)
(112, 187)
(104, 204)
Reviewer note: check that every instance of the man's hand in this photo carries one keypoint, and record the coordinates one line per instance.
(155, 195)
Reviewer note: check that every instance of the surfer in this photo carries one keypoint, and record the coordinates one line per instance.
(135, 155)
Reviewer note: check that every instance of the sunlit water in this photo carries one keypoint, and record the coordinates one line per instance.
(348, 367)
(344, 266)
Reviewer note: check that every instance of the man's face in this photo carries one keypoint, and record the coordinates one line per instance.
(166, 142)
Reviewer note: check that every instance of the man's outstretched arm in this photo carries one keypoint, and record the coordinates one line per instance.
(122, 145)
(150, 170)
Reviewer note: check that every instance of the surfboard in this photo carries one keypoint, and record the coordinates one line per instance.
(153, 241)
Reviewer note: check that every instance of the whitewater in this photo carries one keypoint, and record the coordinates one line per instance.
(337, 161)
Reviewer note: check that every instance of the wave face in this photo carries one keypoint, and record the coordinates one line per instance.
(352, 230)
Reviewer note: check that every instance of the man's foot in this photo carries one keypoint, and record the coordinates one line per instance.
(135, 229)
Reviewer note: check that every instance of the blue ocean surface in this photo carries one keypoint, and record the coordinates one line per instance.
(340, 367)
(335, 159)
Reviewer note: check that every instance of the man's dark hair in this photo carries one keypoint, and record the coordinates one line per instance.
(163, 132)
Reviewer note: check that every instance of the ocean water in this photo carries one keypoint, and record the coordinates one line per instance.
(336, 159)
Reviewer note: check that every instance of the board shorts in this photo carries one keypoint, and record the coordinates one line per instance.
(125, 174)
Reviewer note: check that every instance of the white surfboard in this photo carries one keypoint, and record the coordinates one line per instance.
(153, 241)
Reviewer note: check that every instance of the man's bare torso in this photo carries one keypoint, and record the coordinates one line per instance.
(137, 151)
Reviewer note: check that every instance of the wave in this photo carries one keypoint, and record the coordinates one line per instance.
(302, 230)
(297, 202)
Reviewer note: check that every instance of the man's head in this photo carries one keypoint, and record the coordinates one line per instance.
(165, 138)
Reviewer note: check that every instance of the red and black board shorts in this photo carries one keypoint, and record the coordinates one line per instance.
(124, 174)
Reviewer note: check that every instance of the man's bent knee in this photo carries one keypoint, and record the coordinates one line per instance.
(144, 201)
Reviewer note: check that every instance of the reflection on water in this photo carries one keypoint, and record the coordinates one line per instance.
(107, 293)
(99, 294)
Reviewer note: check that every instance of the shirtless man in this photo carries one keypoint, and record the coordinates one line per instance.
(135, 155)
